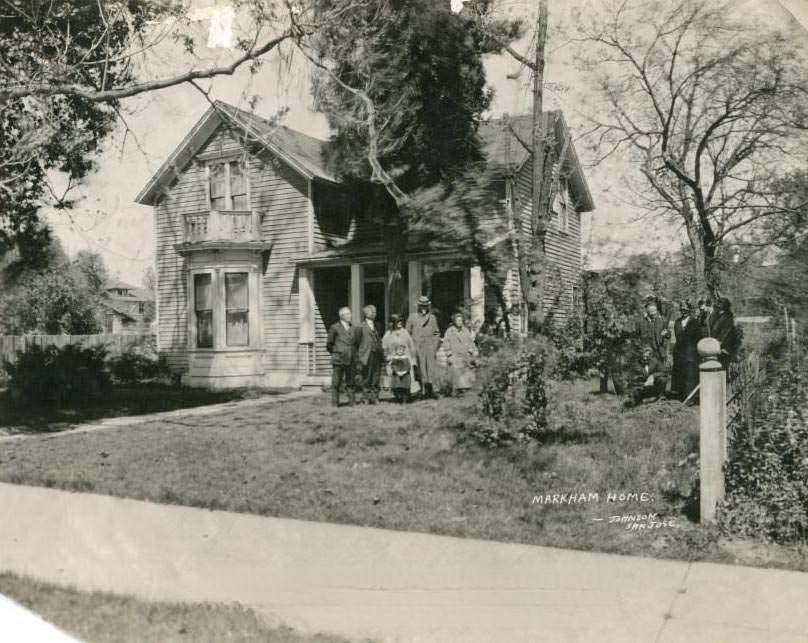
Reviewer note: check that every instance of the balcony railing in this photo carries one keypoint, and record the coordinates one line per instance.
(235, 225)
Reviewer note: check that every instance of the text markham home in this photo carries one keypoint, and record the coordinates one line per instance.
(259, 245)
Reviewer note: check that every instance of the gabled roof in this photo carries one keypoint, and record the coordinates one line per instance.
(301, 152)
(304, 153)
(502, 140)
(117, 310)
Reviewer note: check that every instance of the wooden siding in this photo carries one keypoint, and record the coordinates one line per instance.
(281, 197)
(563, 250)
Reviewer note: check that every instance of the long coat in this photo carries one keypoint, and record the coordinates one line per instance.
(685, 375)
(426, 336)
(459, 343)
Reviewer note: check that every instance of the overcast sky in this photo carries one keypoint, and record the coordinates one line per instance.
(107, 220)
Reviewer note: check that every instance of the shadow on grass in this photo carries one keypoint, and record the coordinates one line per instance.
(566, 436)
(122, 401)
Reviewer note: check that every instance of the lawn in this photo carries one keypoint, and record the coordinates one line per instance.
(123, 401)
(106, 618)
(417, 468)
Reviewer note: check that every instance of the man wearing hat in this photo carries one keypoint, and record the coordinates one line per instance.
(422, 326)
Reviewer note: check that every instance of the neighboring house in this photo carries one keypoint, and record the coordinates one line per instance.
(259, 245)
(128, 310)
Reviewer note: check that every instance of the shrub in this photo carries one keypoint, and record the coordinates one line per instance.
(767, 481)
(55, 376)
(513, 397)
(138, 364)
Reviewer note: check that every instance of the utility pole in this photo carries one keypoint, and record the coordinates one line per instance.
(539, 206)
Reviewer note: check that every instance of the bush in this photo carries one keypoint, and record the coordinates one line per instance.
(139, 364)
(513, 397)
(54, 376)
(767, 471)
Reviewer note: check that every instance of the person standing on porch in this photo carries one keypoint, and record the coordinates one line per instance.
(369, 355)
(341, 343)
(423, 328)
(461, 351)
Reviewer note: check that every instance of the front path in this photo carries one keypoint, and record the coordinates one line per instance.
(388, 585)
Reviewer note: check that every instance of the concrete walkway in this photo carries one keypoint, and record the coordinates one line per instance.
(177, 414)
(387, 585)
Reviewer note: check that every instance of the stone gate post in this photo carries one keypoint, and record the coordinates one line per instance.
(713, 427)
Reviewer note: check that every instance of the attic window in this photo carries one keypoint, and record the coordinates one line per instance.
(562, 203)
(228, 186)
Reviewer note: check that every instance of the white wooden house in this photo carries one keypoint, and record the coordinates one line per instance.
(259, 244)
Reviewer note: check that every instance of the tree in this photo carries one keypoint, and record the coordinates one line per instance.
(90, 273)
(707, 109)
(50, 303)
(65, 67)
(403, 85)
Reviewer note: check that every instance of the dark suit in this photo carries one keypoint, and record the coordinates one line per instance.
(651, 335)
(341, 343)
(722, 327)
(370, 356)
(655, 367)
(685, 375)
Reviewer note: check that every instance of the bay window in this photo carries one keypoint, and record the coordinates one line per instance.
(223, 308)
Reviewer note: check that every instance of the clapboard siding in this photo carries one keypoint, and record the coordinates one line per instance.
(563, 249)
(281, 196)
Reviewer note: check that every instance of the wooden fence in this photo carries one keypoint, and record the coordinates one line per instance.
(10, 345)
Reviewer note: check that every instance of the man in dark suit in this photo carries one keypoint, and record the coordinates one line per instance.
(688, 331)
(369, 355)
(653, 331)
(341, 343)
(650, 378)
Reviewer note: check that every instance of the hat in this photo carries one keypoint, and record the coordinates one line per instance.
(423, 300)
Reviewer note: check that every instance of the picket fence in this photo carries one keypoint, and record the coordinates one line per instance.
(116, 343)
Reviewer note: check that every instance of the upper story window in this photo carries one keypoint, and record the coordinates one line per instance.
(228, 186)
(562, 207)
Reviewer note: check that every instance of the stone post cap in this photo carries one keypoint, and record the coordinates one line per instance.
(709, 348)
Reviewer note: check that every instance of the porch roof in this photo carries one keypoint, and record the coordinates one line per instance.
(369, 252)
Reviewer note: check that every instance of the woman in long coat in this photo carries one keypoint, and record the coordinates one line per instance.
(423, 328)
(688, 331)
(458, 342)
(722, 327)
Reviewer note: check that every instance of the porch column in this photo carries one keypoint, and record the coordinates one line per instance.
(414, 284)
(356, 292)
(306, 305)
(477, 296)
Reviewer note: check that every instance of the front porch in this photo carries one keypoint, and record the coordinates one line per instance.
(326, 283)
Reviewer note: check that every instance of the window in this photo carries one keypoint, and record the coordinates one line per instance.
(141, 307)
(203, 306)
(561, 207)
(228, 186)
(237, 309)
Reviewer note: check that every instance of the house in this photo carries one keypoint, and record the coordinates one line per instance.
(259, 244)
(128, 310)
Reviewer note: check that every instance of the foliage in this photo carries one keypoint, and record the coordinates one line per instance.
(49, 303)
(767, 488)
(707, 105)
(139, 364)
(54, 376)
(513, 397)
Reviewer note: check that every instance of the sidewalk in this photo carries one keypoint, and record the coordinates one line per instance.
(177, 414)
(387, 585)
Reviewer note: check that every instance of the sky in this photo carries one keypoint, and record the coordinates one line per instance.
(107, 220)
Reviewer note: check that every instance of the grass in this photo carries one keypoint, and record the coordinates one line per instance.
(413, 467)
(123, 401)
(107, 618)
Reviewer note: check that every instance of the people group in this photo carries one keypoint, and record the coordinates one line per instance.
(668, 348)
(407, 353)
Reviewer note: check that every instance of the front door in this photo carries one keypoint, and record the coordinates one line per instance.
(447, 295)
